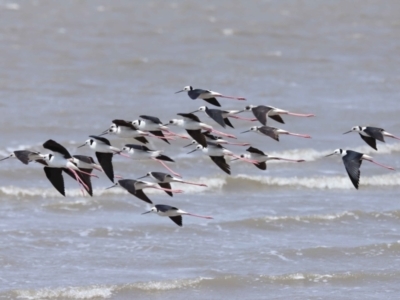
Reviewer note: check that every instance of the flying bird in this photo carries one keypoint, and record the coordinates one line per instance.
(371, 134)
(273, 132)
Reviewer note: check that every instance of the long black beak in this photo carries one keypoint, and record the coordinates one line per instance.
(146, 212)
(179, 91)
(194, 112)
(142, 177)
(188, 145)
(82, 145)
(5, 158)
(192, 151)
(348, 131)
(112, 186)
(104, 132)
(234, 159)
(246, 131)
(329, 155)
(165, 124)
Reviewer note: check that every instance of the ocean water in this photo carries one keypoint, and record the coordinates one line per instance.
(294, 231)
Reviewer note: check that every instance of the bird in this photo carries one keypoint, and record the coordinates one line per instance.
(164, 180)
(104, 153)
(61, 160)
(219, 116)
(140, 152)
(152, 125)
(175, 214)
(371, 134)
(219, 140)
(135, 187)
(192, 124)
(262, 158)
(86, 164)
(273, 132)
(125, 129)
(352, 162)
(206, 95)
(24, 156)
(261, 112)
(217, 154)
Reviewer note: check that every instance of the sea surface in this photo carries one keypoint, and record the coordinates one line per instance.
(294, 231)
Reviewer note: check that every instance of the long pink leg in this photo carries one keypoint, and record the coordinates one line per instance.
(78, 179)
(230, 97)
(160, 137)
(287, 159)
(300, 115)
(238, 144)
(387, 167)
(193, 183)
(165, 166)
(178, 135)
(92, 175)
(118, 176)
(198, 216)
(306, 136)
(168, 190)
(223, 134)
(391, 135)
(123, 154)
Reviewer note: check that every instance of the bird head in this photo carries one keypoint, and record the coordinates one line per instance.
(355, 129)
(137, 123)
(153, 209)
(337, 152)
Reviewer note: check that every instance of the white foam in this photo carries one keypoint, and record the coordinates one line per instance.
(91, 292)
(168, 285)
(307, 218)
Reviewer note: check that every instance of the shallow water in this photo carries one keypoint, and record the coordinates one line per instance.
(295, 231)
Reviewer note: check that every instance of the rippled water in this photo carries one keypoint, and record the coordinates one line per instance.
(295, 231)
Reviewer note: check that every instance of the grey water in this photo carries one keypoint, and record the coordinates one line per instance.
(294, 231)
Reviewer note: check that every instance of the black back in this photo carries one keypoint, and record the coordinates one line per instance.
(164, 208)
(254, 150)
(129, 185)
(160, 176)
(138, 147)
(123, 123)
(56, 147)
(352, 162)
(192, 117)
(101, 139)
(216, 115)
(105, 161)
(269, 131)
(195, 93)
(85, 158)
(151, 119)
(54, 175)
(375, 133)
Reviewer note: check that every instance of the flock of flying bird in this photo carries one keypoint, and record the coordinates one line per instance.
(80, 167)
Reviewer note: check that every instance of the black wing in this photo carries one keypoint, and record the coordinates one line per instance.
(216, 115)
(56, 147)
(164, 207)
(375, 133)
(123, 123)
(142, 196)
(101, 139)
(352, 162)
(24, 155)
(142, 139)
(269, 131)
(177, 220)
(213, 101)
(261, 165)
(165, 158)
(370, 141)
(84, 177)
(54, 175)
(105, 161)
(192, 117)
(254, 150)
(260, 112)
(138, 147)
(194, 94)
(227, 122)
(198, 137)
(159, 176)
(166, 186)
(85, 158)
(221, 162)
(277, 118)
(160, 134)
(155, 120)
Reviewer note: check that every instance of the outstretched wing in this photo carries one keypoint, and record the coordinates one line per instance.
(370, 141)
(155, 120)
(352, 162)
(269, 131)
(105, 161)
(221, 162)
(54, 175)
(375, 133)
(177, 220)
(260, 112)
(56, 147)
(216, 115)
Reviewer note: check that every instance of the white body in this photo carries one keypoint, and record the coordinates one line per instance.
(56, 160)
(148, 126)
(99, 146)
(140, 155)
(125, 132)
